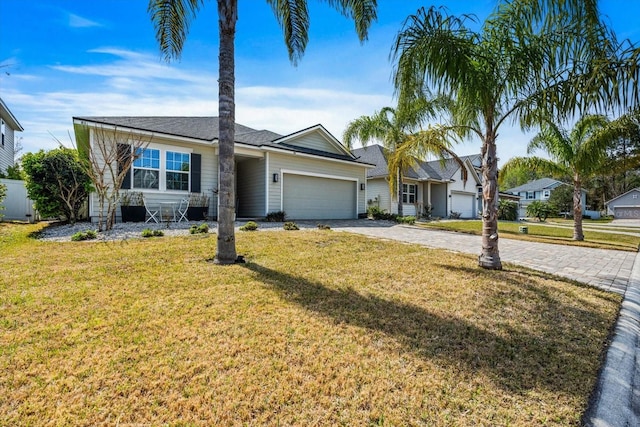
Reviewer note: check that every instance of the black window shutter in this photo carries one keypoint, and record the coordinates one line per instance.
(196, 166)
(124, 154)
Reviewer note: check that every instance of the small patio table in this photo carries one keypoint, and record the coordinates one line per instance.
(164, 207)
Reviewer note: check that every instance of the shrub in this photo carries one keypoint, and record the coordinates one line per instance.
(147, 232)
(323, 227)
(455, 215)
(291, 226)
(84, 235)
(376, 213)
(279, 216)
(406, 220)
(249, 226)
(540, 210)
(199, 229)
(507, 210)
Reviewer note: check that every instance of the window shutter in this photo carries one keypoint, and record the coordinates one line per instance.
(124, 156)
(196, 166)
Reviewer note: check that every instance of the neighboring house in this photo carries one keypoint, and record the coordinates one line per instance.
(540, 190)
(308, 174)
(625, 206)
(433, 184)
(8, 126)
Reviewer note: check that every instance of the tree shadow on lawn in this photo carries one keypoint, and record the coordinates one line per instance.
(516, 359)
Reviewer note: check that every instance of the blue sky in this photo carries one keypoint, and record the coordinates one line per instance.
(63, 58)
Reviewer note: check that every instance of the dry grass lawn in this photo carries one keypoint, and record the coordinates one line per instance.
(318, 328)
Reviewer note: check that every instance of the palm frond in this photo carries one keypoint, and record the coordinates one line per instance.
(293, 17)
(538, 164)
(171, 20)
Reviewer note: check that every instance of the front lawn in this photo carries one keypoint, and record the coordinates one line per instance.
(318, 328)
(546, 233)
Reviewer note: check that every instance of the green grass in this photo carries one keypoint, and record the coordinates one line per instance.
(545, 233)
(318, 328)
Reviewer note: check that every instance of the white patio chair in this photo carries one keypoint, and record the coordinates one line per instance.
(152, 213)
(182, 210)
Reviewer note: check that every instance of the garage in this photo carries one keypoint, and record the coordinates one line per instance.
(627, 212)
(312, 197)
(463, 203)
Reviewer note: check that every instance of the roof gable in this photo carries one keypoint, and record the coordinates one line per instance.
(624, 195)
(8, 117)
(536, 185)
(315, 138)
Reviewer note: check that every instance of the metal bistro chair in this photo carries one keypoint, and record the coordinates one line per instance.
(152, 213)
(182, 210)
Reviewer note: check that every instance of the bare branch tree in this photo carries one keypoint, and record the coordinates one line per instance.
(108, 154)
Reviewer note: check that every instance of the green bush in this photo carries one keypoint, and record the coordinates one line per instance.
(323, 227)
(540, 210)
(376, 213)
(249, 226)
(147, 232)
(279, 216)
(84, 235)
(406, 219)
(199, 229)
(291, 226)
(507, 210)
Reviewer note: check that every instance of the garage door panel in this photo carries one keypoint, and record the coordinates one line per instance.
(464, 204)
(309, 197)
(627, 212)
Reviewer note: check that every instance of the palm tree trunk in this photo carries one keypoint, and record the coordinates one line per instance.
(226, 250)
(490, 256)
(577, 209)
(399, 183)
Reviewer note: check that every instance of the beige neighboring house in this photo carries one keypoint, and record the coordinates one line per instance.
(308, 174)
(433, 184)
(625, 206)
(9, 125)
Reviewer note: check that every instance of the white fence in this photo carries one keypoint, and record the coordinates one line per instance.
(17, 206)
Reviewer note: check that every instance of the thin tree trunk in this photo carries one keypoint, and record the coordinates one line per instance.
(490, 256)
(577, 209)
(227, 15)
(399, 184)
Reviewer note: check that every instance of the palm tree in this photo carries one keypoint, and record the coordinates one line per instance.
(531, 59)
(579, 154)
(171, 19)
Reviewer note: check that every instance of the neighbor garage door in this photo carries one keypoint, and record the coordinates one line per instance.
(463, 203)
(627, 212)
(309, 197)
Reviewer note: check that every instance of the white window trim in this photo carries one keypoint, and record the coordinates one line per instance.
(533, 195)
(162, 187)
(408, 193)
(546, 194)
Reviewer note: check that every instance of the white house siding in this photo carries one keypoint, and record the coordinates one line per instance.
(307, 165)
(6, 151)
(378, 193)
(208, 177)
(315, 141)
(250, 187)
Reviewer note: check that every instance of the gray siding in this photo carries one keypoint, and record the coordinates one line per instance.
(250, 176)
(627, 199)
(6, 151)
(315, 141)
(310, 197)
(320, 167)
(378, 188)
(439, 200)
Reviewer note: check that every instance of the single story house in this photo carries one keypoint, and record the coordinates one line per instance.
(9, 125)
(625, 206)
(539, 189)
(308, 174)
(428, 184)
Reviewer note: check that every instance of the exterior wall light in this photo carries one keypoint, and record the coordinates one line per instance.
(275, 177)
(362, 186)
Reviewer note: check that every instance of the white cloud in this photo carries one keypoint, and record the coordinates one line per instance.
(77, 21)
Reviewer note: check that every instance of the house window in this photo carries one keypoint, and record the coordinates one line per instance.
(177, 171)
(635, 196)
(146, 169)
(531, 195)
(409, 192)
(2, 128)
(546, 194)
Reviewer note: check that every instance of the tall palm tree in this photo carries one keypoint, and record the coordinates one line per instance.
(531, 59)
(172, 18)
(579, 154)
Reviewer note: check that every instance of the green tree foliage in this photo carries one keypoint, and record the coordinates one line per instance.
(540, 210)
(510, 177)
(515, 68)
(56, 182)
(13, 172)
(562, 198)
(507, 210)
(171, 19)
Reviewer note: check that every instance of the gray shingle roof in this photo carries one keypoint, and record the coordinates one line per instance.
(535, 185)
(207, 129)
(377, 155)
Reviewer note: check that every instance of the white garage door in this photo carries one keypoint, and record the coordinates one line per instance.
(310, 197)
(627, 212)
(463, 203)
